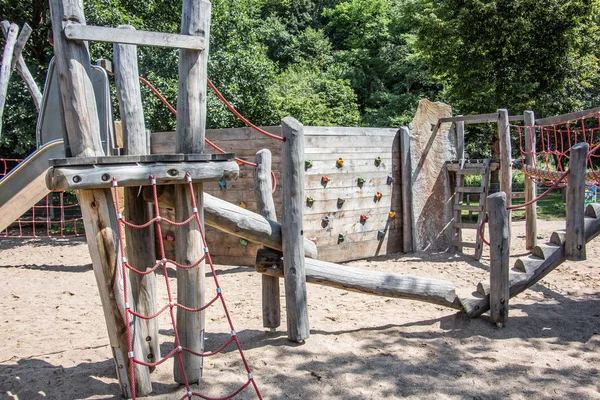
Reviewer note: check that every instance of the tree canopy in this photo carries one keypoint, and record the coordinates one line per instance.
(346, 63)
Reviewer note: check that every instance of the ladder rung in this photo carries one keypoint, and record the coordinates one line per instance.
(468, 208)
(470, 189)
(472, 171)
(463, 225)
(465, 244)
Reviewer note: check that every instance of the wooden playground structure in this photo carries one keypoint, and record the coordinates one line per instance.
(124, 245)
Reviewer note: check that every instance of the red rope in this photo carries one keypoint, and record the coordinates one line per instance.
(129, 313)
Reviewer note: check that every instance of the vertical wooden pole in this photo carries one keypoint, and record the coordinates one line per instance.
(575, 237)
(405, 169)
(530, 186)
(271, 308)
(292, 214)
(505, 161)
(460, 139)
(5, 70)
(97, 207)
(499, 253)
(191, 120)
(140, 242)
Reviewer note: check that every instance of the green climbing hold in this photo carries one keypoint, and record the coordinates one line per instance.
(308, 164)
(341, 238)
(243, 242)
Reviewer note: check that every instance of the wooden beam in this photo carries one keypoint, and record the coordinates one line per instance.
(560, 119)
(505, 162)
(471, 119)
(5, 70)
(460, 139)
(530, 186)
(292, 230)
(407, 210)
(77, 32)
(33, 88)
(140, 249)
(20, 45)
(271, 307)
(191, 125)
(499, 253)
(97, 207)
(377, 283)
(575, 240)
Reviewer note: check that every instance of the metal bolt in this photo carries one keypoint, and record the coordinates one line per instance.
(173, 172)
(76, 179)
(105, 177)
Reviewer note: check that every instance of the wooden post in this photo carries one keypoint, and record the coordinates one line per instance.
(407, 212)
(530, 186)
(292, 230)
(460, 139)
(505, 161)
(33, 88)
(7, 56)
(191, 120)
(499, 253)
(97, 207)
(271, 307)
(140, 242)
(575, 238)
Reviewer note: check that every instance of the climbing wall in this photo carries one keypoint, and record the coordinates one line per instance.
(364, 183)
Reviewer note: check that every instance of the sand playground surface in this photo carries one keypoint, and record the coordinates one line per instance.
(361, 346)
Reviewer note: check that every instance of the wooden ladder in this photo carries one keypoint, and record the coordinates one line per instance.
(470, 168)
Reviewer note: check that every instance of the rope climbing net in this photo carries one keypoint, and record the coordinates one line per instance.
(551, 149)
(57, 215)
(172, 305)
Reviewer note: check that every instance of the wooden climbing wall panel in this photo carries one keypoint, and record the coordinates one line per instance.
(372, 154)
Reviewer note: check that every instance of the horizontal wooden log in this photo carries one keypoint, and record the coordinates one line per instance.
(470, 168)
(87, 177)
(566, 117)
(363, 281)
(471, 119)
(139, 38)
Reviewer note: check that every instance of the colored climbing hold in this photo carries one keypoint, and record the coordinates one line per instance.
(378, 196)
(325, 222)
(242, 204)
(364, 218)
(310, 201)
(378, 161)
(380, 234)
(392, 214)
(361, 181)
(223, 184)
(308, 164)
(341, 238)
(243, 242)
(313, 239)
(170, 237)
(340, 162)
(340, 202)
(325, 179)
(390, 180)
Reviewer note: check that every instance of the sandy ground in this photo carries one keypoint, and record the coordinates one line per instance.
(361, 347)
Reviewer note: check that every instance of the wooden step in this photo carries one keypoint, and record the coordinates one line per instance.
(460, 207)
(483, 287)
(558, 237)
(528, 263)
(472, 171)
(464, 244)
(592, 210)
(464, 225)
(470, 189)
(544, 251)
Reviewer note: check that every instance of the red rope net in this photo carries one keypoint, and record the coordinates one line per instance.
(57, 215)
(129, 314)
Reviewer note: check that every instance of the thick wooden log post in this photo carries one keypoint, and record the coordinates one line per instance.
(271, 307)
(499, 253)
(575, 238)
(406, 174)
(191, 120)
(292, 214)
(97, 207)
(140, 242)
(530, 186)
(5, 70)
(33, 88)
(505, 161)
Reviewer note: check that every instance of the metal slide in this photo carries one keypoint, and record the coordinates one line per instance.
(25, 185)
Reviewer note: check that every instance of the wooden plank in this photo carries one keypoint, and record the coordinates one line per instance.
(485, 183)
(470, 189)
(97, 207)
(499, 254)
(530, 186)
(191, 125)
(292, 231)
(77, 32)
(471, 119)
(33, 88)
(140, 250)
(312, 131)
(95, 177)
(271, 307)
(471, 168)
(460, 139)
(460, 207)
(406, 186)
(464, 225)
(575, 239)
(464, 244)
(505, 162)
(5, 70)
(559, 119)
(369, 282)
